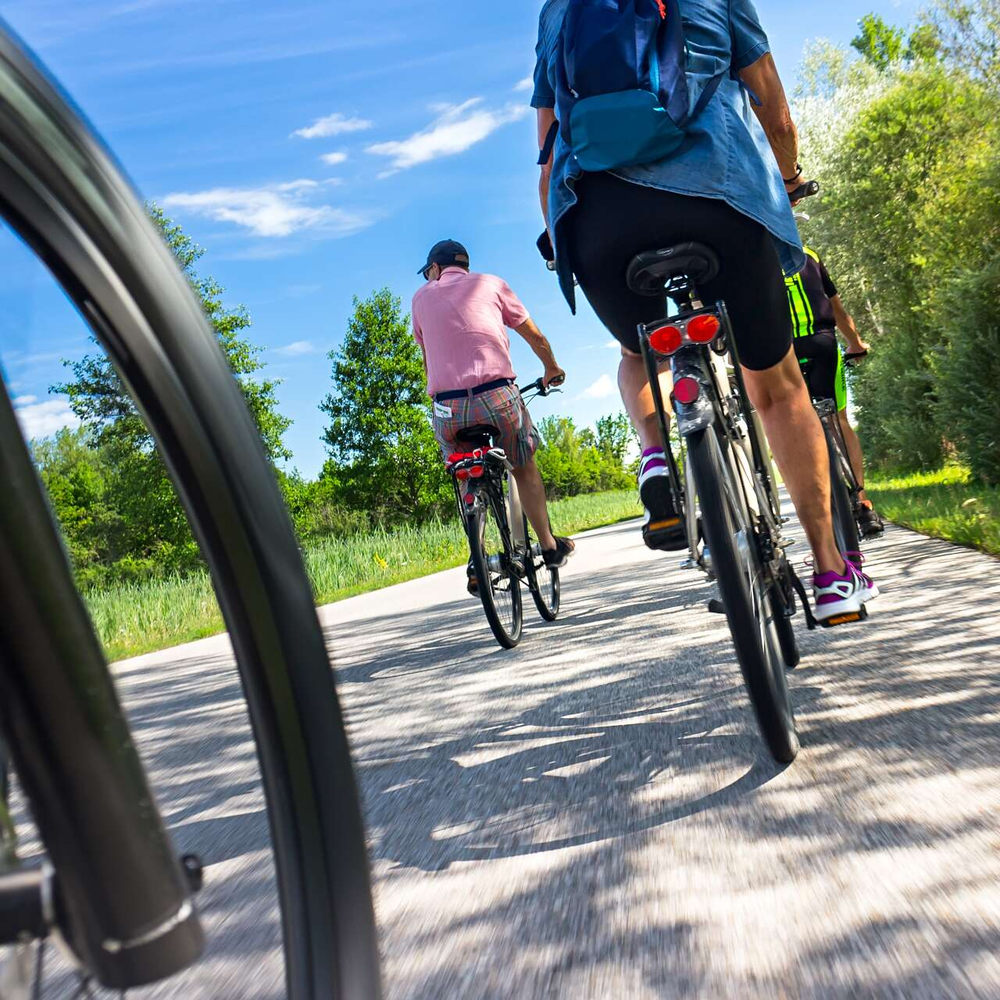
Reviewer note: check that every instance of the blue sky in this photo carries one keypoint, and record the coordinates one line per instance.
(316, 150)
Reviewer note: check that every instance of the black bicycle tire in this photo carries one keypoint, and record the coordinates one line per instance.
(549, 610)
(62, 191)
(784, 628)
(765, 684)
(476, 525)
(845, 527)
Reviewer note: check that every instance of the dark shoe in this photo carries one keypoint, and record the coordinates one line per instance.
(662, 529)
(554, 558)
(473, 584)
(869, 520)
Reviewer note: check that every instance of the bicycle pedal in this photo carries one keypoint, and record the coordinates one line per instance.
(670, 522)
(716, 607)
(845, 619)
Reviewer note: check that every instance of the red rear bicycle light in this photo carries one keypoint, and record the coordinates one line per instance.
(666, 339)
(469, 498)
(462, 474)
(686, 389)
(703, 329)
(476, 471)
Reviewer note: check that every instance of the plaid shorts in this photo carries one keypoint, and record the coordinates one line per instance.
(502, 407)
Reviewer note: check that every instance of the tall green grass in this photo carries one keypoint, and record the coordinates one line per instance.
(946, 504)
(138, 618)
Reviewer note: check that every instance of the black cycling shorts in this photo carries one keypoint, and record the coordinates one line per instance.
(615, 219)
(823, 366)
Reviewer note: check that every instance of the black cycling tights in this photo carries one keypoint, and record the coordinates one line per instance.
(615, 219)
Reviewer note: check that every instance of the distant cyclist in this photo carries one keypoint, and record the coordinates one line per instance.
(817, 315)
(714, 162)
(460, 321)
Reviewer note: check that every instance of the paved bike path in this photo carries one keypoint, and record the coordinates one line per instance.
(593, 814)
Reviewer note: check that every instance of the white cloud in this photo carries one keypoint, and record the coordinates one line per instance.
(601, 389)
(273, 210)
(296, 349)
(332, 159)
(527, 83)
(611, 345)
(42, 419)
(335, 124)
(457, 127)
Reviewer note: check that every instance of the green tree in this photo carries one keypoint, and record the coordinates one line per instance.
(879, 43)
(382, 450)
(614, 435)
(968, 33)
(152, 533)
(882, 184)
(75, 475)
(574, 461)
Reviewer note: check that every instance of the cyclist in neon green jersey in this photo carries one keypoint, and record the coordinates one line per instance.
(817, 315)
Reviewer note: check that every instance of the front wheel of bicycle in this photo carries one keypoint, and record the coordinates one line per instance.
(543, 581)
(493, 559)
(748, 606)
(845, 528)
(62, 192)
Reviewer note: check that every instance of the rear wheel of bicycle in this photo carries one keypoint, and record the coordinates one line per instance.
(62, 192)
(493, 561)
(782, 599)
(748, 605)
(845, 528)
(543, 581)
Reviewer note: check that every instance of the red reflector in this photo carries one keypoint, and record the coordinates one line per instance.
(703, 329)
(477, 471)
(462, 474)
(469, 498)
(686, 389)
(666, 339)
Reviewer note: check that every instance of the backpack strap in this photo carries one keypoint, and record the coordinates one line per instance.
(550, 141)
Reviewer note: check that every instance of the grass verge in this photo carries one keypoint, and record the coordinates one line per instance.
(139, 618)
(945, 504)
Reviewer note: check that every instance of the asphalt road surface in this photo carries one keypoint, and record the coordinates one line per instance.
(593, 815)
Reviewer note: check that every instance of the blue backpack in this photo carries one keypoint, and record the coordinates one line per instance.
(622, 95)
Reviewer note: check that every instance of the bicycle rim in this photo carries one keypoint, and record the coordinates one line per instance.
(64, 195)
(499, 588)
(742, 586)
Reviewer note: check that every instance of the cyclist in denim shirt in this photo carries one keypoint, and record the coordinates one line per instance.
(727, 186)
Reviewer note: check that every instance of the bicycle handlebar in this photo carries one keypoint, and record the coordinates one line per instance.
(539, 388)
(855, 357)
(805, 190)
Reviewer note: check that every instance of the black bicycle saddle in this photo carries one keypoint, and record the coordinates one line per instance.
(479, 434)
(651, 270)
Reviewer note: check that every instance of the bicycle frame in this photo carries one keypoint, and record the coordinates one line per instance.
(826, 410)
(723, 403)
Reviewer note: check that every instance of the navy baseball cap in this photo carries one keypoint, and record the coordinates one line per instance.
(446, 252)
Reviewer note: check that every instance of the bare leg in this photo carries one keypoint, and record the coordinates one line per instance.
(854, 452)
(532, 493)
(638, 398)
(799, 448)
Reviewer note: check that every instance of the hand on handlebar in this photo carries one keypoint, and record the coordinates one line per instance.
(804, 190)
(553, 376)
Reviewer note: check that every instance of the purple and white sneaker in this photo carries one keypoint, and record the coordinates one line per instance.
(662, 527)
(840, 598)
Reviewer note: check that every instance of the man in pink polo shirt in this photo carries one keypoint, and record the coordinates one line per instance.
(459, 321)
